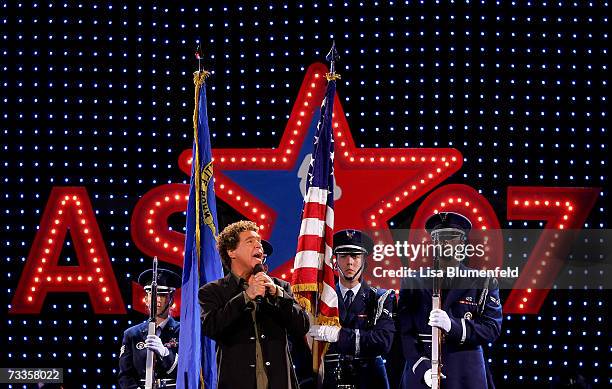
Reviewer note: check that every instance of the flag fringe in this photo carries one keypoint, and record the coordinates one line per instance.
(328, 321)
(312, 287)
(304, 303)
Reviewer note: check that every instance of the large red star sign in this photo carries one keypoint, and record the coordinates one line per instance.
(375, 183)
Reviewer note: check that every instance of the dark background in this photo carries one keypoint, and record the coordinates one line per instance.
(100, 94)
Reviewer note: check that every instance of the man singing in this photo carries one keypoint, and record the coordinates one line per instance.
(249, 315)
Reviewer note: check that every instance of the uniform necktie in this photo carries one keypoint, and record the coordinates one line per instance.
(348, 298)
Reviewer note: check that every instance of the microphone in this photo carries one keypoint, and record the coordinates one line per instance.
(257, 269)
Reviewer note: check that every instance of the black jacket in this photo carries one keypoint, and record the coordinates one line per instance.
(227, 318)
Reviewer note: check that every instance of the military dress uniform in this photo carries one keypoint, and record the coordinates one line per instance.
(133, 354)
(475, 312)
(367, 326)
(366, 335)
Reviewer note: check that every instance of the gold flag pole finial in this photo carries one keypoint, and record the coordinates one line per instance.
(200, 75)
(332, 57)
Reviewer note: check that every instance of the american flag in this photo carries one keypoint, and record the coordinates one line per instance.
(313, 276)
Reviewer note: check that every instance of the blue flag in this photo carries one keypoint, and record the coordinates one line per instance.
(196, 361)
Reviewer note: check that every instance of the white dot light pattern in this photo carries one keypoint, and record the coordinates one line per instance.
(99, 94)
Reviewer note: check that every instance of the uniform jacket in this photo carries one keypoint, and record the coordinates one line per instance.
(462, 356)
(227, 318)
(133, 355)
(367, 331)
(374, 339)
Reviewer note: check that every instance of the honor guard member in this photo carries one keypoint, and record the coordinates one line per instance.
(470, 317)
(354, 358)
(136, 342)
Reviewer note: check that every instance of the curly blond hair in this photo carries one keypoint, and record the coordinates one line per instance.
(230, 236)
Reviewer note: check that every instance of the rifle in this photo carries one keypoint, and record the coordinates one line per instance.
(150, 366)
(436, 333)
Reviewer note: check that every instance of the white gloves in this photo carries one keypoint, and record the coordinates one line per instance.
(439, 318)
(324, 333)
(154, 343)
(427, 377)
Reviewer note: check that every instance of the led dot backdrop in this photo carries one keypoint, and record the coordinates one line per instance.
(99, 94)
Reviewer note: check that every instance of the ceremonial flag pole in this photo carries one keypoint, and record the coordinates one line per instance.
(313, 276)
(197, 366)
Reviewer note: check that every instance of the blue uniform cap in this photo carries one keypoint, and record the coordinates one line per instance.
(267, 248)
(352, 241)
(167, 280)
(448, 220)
